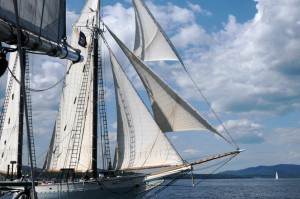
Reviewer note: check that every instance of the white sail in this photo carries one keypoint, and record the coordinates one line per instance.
(9, 136)
(151, 43)
(276, 176)
(141, 143)
(72, 142)
(170, 111)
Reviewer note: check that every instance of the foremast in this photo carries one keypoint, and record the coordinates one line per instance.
(95, 94)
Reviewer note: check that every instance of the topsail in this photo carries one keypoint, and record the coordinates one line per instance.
(151, 43)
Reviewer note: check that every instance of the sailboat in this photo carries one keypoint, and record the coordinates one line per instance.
(142, 144)
(276, 176)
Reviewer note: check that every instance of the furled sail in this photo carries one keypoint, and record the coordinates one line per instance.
(141, 143)
(170, 111)
(46, 18)
(151, 43)
(72, 142)
(9, 131)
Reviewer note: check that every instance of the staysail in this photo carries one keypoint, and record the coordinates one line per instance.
(72, 141)
(151, 43)
(170, 111)
(10, 121)
(141, 143)
(45, 18)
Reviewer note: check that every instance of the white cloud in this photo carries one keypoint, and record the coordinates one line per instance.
(285, 136)
(197, 8)
(243, 131)
(191, 151)
(248, 68)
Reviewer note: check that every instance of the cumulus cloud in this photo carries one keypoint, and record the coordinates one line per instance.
(251, 67)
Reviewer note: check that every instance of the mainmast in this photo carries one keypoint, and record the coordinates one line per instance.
(21, 124)
(98, 73)
(95, 94)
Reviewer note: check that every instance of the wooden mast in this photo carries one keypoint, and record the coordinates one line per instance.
(95, 94)
(21, 121)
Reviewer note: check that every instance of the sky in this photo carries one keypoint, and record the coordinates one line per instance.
(243, 55)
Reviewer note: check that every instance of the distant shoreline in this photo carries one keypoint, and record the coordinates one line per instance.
(225, 176)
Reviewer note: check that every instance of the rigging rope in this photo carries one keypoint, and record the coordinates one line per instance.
(222, 164)
(183, 174)
(179, 176)
(40, 90)
(231, 141)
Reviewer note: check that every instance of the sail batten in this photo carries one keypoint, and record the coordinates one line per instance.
(141, 143)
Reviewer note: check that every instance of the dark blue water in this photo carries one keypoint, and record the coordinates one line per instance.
(233, 189)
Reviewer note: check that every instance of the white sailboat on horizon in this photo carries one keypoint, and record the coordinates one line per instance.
(142, 143)
(276, 176)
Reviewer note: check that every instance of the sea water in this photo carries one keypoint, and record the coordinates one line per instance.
(233, 189)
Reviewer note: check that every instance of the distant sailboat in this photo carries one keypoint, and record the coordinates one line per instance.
(276, 176)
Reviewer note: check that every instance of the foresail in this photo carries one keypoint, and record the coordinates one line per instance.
(141, 143)
(170, 111)
(9, 134)
(151, 43)
(72, 142)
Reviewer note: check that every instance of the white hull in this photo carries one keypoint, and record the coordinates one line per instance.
(109, 188)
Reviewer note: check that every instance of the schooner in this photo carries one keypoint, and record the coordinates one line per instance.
(142, 143)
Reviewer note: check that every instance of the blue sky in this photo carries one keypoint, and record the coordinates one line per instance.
(244, 55)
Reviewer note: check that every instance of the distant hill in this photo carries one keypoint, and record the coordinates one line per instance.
(283, 170)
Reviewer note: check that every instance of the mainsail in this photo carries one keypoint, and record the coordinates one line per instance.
(141, 143)
(72, 141)
(10, 118)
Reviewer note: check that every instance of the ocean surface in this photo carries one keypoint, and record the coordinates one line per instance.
(233, 189)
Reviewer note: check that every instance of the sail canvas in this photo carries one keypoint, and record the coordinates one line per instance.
(141, 143)
(72, 142)
(46, 18)
(9, 133)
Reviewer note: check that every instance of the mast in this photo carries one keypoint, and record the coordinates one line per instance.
(105, 149)
(21, 123)
(22, 65)
(95, 94)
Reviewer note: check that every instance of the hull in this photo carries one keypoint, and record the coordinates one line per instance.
(109, 188)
